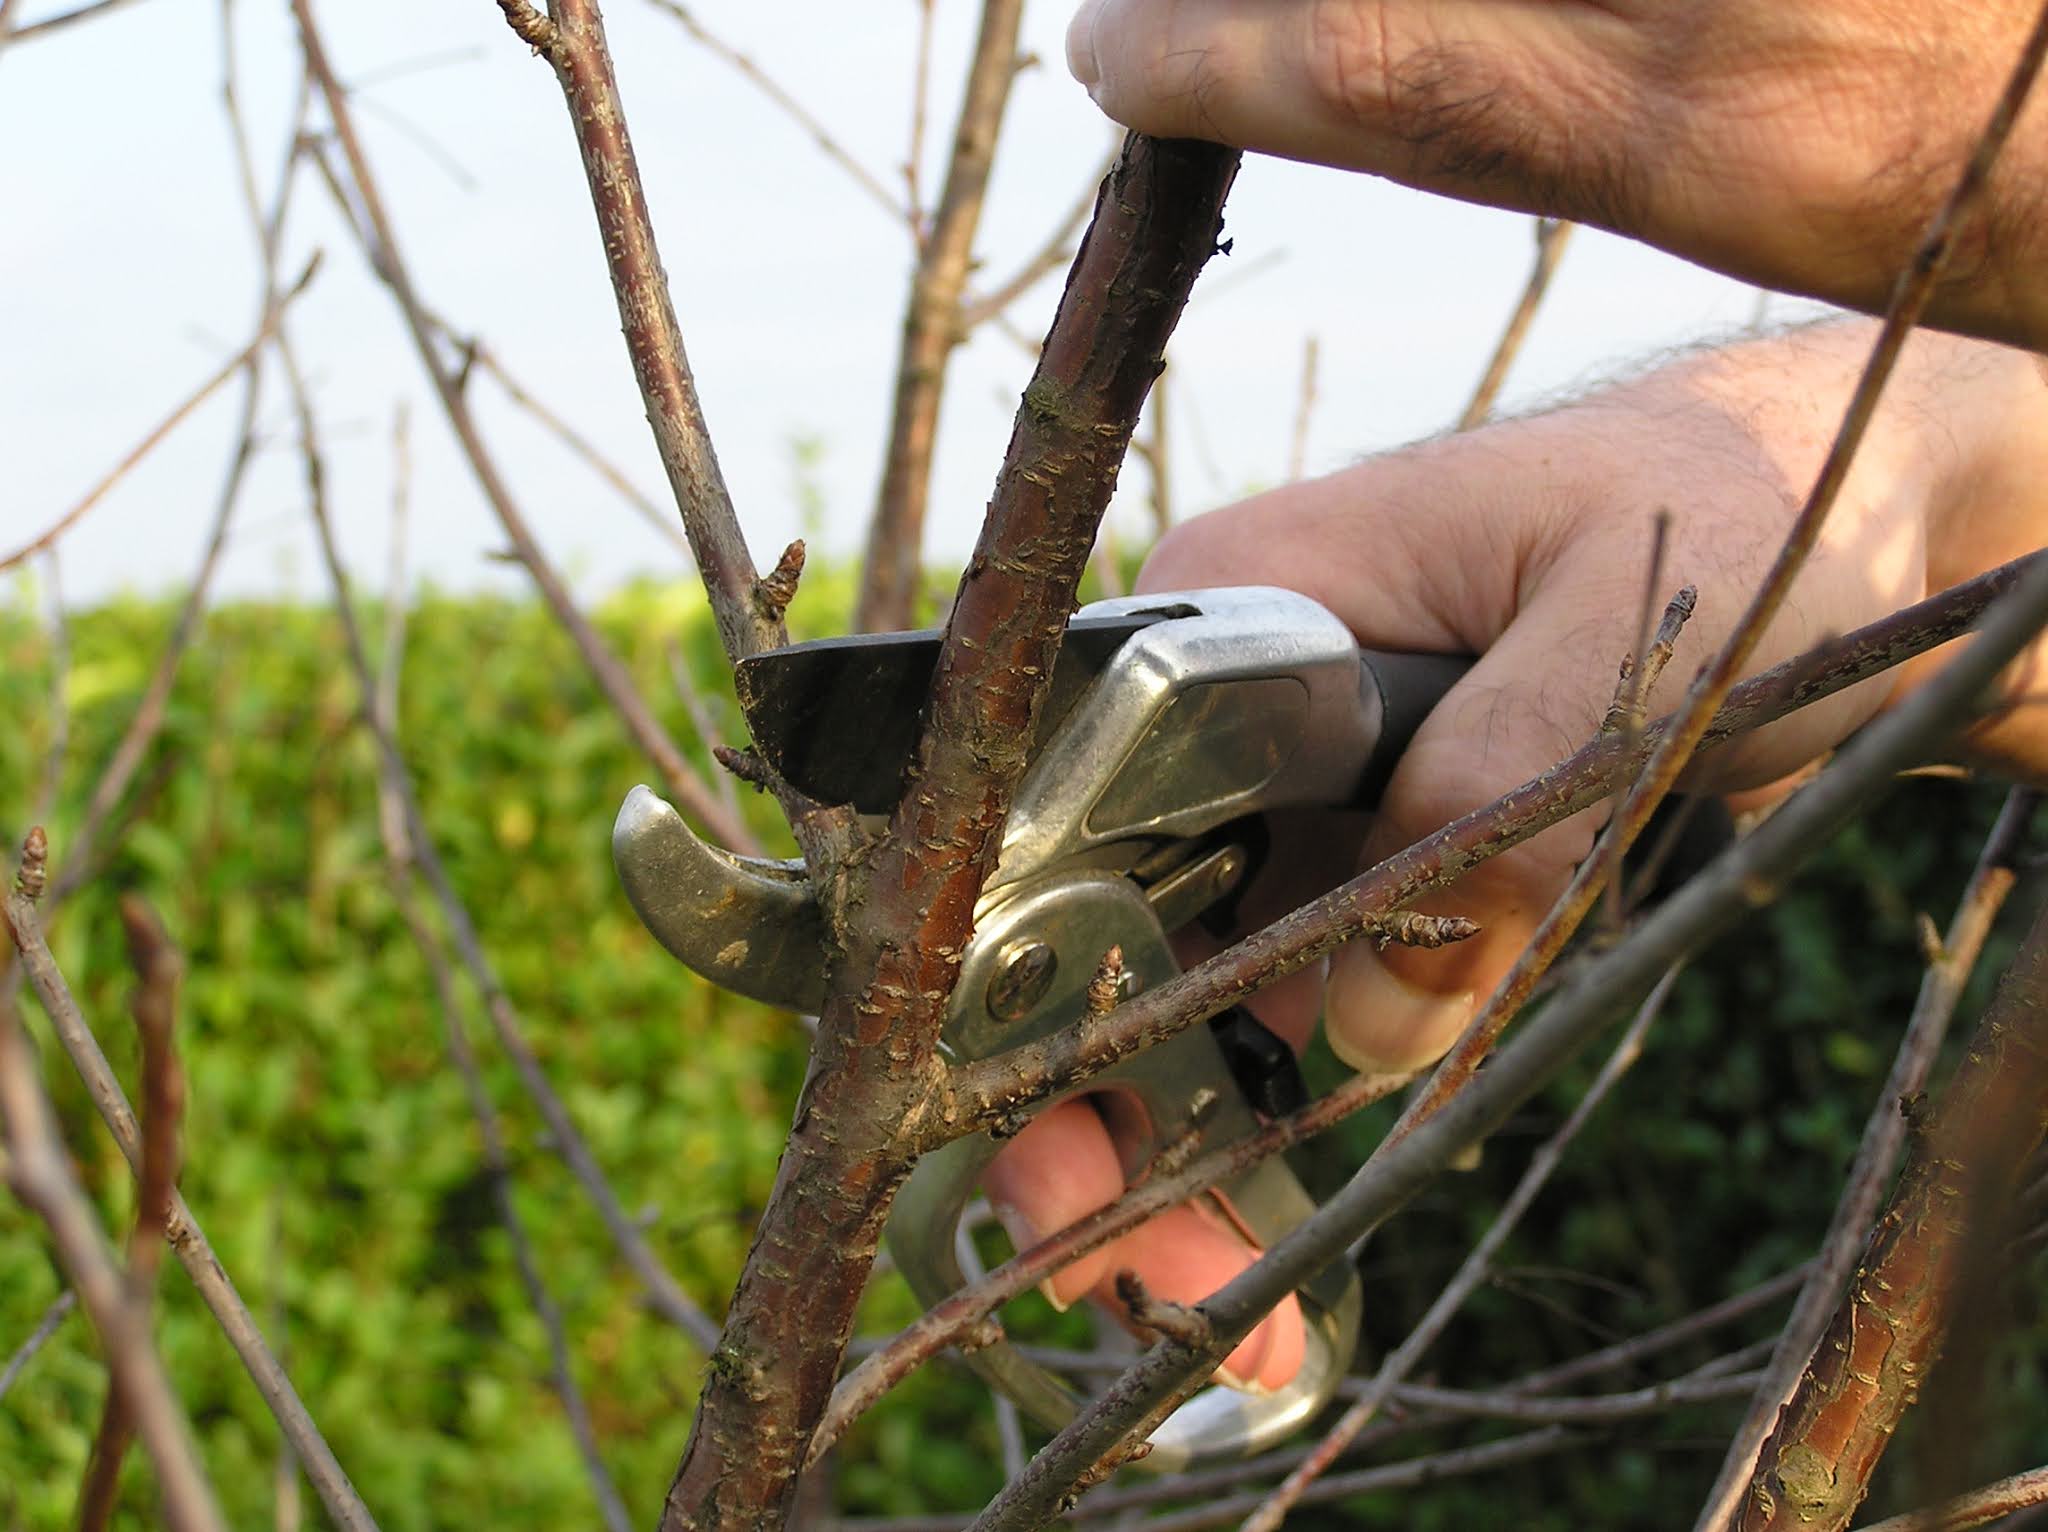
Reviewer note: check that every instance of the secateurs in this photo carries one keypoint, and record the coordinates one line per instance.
(1173, 724)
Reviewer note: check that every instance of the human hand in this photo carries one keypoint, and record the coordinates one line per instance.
(1527, 543)
(1801, 144)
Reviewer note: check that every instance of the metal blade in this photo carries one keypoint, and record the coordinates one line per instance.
(838, 717)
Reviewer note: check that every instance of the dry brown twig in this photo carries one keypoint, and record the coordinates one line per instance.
(50, 25)
(181, 1231)
(664, 1293)
(163, 428)
(718, 559)
(158, 970)
(39, 1173)
(1884, 1134)
(932, 329)
(803, 117)
(2017, 1493)
(1551, 236)
(1396, 1365)
(53, 1319)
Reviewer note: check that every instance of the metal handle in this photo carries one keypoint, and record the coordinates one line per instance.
(1075, 919)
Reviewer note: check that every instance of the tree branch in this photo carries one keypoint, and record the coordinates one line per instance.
(1552, 234)
(932, 328)
(875, 1073)
(2005, 1497)
(39, 1173)
(1876, 1155)
(53, 1318)
(1873, 1361)
(181, 1229)
(682, 781)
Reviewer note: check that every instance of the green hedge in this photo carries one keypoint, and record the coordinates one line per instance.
(333, 1161)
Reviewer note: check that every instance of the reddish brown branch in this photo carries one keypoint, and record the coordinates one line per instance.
(1948, 971)
(875, 1072)
(654, 341)
(187, 1240)
(932, 328)
(39, 1173)
(1887, 1333)
(158, 970)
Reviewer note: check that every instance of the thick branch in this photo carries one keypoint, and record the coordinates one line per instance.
(932, 328)
(1815, 1468)
(1878, 1152)
(875, 1070)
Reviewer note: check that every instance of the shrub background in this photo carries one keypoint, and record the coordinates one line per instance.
(332, 1159)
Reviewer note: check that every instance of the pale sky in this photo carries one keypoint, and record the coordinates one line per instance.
(126, 276)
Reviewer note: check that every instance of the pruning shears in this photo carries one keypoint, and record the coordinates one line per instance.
(1174, 723)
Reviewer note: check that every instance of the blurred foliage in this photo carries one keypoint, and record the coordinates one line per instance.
(333, 1162)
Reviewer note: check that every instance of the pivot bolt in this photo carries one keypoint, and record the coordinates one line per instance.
(1024, 972)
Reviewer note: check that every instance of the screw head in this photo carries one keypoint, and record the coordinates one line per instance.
(1024, 972)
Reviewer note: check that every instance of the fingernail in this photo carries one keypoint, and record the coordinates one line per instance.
(1081, 44)
(1022, 1237)
(1377, 1022)
(1250, 1386)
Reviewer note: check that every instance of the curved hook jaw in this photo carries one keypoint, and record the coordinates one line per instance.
(749, 926)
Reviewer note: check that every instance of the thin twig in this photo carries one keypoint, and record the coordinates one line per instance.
(1397, 1364)
(1708, 904)
(1598, 1409)
(60, 676)
(662, 522)
(920, 113)
(398, 854)
(182, 1231)
(796, 111)
(1974, 1509)
(85, 851)
(1304, 409)
(1884, 1134)
(92, 497)
(60, 21)
(158, 970)
(53, 1318)
(1551, 237)
(664, 1293)
(1056, 252)
(956, 1316)
(39, 1173)
(684, 783)
(932, 329)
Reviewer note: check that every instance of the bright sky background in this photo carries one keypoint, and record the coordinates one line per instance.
(127, 275)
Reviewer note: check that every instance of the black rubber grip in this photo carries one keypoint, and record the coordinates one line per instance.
(1409, 685)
